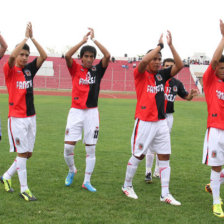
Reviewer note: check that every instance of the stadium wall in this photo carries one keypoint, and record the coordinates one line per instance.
(118, 76)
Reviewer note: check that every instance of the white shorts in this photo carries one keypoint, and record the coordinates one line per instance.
(79, 120)
(153, 135)
(213, 151)
(169, 120)
(22, 134)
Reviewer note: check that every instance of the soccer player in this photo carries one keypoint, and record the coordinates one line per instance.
(3, 47)
(151, 129)
(173, 87)
(19, 76)
(83, 114)
(213, 151)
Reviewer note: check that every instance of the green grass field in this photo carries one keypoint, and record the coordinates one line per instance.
(59, 204)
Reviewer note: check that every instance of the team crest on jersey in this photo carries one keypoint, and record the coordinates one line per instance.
(175, 88)
(27, 72)
(140, 146)
(82, 69)
(94, 68)
(214, 154)
(17, 141)
(159, 77)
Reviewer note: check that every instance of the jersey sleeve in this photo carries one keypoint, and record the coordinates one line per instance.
(32, 66)
(101, 70)
(208, 76)
(181, 90)
(73, 68)
(8, 72)
(138, 75)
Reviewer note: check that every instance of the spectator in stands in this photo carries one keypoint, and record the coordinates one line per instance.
(213, 152)
(113, 59)
(173, 88)
(151, 129)
(84, 113)
(21, 119)
(3, 47)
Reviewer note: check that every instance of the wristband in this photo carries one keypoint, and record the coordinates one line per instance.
(161, 45)
(93, 39)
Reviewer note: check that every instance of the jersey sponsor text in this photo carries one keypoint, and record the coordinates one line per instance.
(155, 89)
(220, 94)
(24, 84)
(170, 97)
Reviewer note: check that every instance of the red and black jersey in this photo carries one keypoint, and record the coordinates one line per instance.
(173, 87)
(85, 85)
(150, 94)
(214, 95)
(19, 83)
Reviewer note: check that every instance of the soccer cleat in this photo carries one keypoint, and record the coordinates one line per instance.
(170, 200)
(89, 187)
(148, 178)
(69, 179)
(28, 196)
(156, 174)
(129, 191)
(217, 210)
(7, 184)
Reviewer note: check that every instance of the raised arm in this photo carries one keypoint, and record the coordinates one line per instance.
(105, 52)
(149, 56)
(218, 52)
(178, 62)
(43, 55)
(18, 48)
(3, 46)
(68, 55)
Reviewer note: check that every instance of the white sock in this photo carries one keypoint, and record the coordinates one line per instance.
(69, 157)
(215, 185)
(222, 176)
(157, 164)
(90, 162)
(149, 162)
(164, 170)
(131, 169)
(22, 173)
(10, 172)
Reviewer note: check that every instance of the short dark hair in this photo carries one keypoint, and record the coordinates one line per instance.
(168, 60)
(153, 49)
(25, 47)
(89, 49)
(221, 59)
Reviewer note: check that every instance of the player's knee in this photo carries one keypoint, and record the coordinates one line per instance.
(70, 142)
(164, 156)
(68, 150)
(140, 157)
(23, 155)
(29, 155)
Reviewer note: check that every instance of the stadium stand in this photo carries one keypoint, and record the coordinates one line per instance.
(118, 76)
